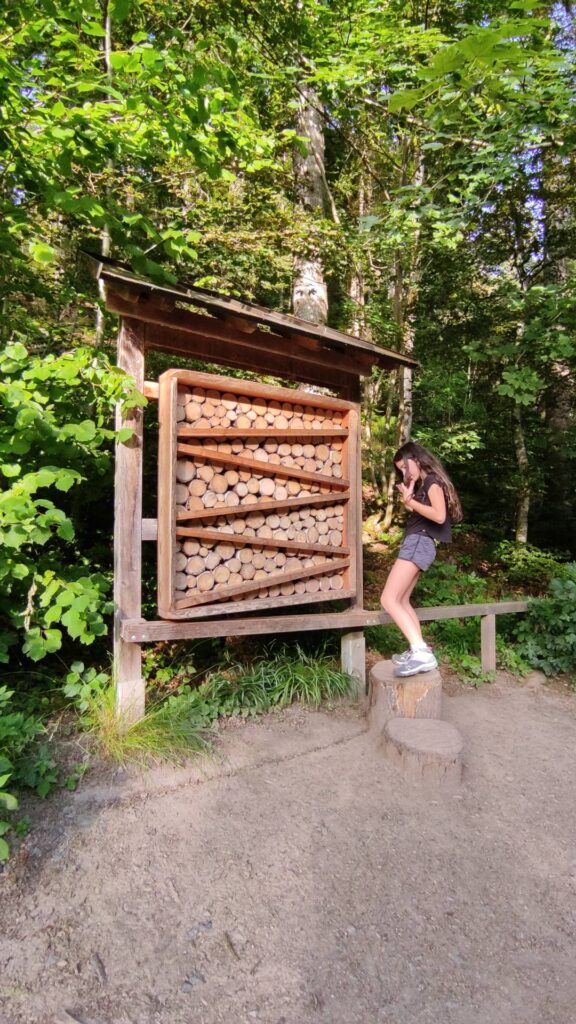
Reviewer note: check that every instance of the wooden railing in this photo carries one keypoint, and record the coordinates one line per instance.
(352, 622)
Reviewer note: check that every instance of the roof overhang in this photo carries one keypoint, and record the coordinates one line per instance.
(224, 330)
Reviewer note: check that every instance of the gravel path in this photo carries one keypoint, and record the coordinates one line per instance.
(297, 879)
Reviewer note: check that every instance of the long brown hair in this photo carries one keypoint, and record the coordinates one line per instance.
(428, 463)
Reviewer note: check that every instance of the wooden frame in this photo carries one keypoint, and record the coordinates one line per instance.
(335, 573)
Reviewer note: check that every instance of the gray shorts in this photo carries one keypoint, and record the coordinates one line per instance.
(418, 548)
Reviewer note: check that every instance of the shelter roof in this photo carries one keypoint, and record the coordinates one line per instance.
(208, 325)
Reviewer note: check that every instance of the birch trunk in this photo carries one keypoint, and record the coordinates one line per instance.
(309, 293)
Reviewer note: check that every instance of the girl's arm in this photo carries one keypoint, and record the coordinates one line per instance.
(436, 511)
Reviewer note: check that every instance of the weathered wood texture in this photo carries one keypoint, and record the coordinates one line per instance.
(139, 630)
(488, 642)
(353, 660)
(133, 297)
(424, 749)
(253, 496)
(128, 680)
(409, 697)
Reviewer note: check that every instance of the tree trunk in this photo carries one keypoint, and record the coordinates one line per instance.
(404, 296)
(309, 293)
(105, 238)
(523, 501)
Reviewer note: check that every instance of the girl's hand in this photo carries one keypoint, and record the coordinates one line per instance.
(406, 492)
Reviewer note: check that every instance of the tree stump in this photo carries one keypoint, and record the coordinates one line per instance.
(424, 749)
(410, 697)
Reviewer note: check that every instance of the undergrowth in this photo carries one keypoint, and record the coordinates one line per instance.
(180, 723)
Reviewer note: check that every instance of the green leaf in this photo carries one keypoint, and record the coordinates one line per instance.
(42, 253)
(92, 28)
(120, 9)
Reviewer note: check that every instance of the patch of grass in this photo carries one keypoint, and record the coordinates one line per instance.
(290, 675)
(169, 731)
(179, 724)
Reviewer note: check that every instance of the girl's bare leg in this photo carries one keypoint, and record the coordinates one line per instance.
(399, 585)
(407, 605)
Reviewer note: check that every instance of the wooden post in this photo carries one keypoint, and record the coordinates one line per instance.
(128, 679)
(353, 658)
(353, 645)
(488, 643)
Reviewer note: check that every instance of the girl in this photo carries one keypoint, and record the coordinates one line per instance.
(433, 507)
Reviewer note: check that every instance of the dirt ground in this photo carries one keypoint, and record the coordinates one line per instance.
(296, 878)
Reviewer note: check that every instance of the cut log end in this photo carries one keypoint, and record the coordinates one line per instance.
(425, 750)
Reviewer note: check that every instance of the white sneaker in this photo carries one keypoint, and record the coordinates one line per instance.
(398, 659)
(419, 661)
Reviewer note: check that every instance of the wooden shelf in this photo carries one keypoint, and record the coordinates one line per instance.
(270, 505)
(217, 537)
(256, 433)
(274, 579)
(264, 468)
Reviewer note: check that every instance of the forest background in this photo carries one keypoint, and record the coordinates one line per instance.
(415, 161)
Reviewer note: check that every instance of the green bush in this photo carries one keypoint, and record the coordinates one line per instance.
(22, 761)
(55, 433)
(547, 635)
(527, 565)
(448, 583)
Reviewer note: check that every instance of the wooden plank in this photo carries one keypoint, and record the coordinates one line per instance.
(209, 338)
(166, 490)
(488, 643)
(253, 388)
(142, 631)
(149, 529)
(274, 579)
(263, 506)
(227, 353)
(151, 390)
(263, 468)
(260, 604)
(255, 433)
(128, 680)
(218, 537)
(151, 631)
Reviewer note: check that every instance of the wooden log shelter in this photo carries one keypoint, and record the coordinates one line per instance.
(259, 487)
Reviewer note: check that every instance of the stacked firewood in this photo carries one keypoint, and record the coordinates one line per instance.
(223, 475)
(207, 408)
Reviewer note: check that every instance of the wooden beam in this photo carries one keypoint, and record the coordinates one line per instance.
(225, 592)
(261, 506)
(142, 631)
(353, 660)
(210, 350)
(259, 345)
(128, 680)
(264, 468)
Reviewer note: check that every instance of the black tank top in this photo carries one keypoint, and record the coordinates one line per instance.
(419, 524)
